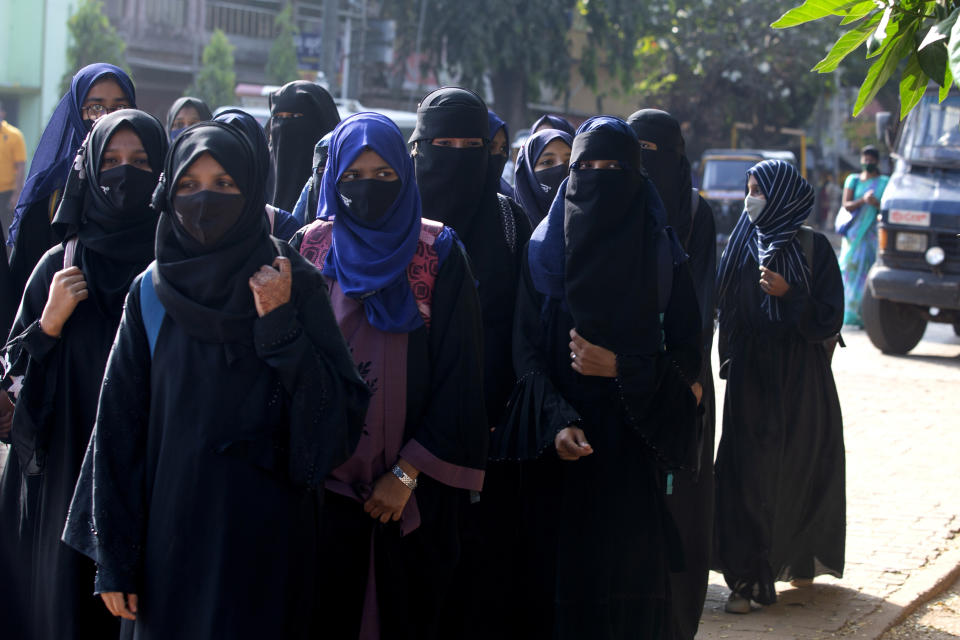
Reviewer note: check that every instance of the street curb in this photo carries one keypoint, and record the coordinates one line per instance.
(919, 589)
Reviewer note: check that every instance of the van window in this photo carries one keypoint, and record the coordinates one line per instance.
(725, 174)
(932, 132)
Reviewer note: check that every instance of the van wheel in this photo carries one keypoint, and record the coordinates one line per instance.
(892, 327)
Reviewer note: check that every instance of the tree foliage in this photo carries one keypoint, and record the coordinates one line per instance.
(92, 39)
(518, 45)
(711, 63)
(216, 83)
(282, 61)
(919, 37)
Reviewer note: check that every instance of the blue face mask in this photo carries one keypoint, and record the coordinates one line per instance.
(175, 133)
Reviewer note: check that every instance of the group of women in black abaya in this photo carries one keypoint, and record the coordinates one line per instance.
(323, 381)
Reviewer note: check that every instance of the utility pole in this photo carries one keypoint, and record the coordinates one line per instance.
(331, 28)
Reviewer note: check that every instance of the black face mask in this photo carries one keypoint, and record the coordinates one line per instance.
(127, 188)
(208, 215)
(497, 162)
(869, 167)
(551, 178)
(369, 200)
(88, 125)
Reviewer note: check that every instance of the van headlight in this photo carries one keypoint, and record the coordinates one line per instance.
(935, 256)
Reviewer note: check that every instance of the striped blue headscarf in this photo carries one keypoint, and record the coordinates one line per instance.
(770, 241)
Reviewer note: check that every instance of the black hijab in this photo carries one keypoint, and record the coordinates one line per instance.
(457, 186)
(553, 122)
(115, 242)
(248, 125)
(610, 271)
(292, 140)
(204, 289)
(187, 101)
(668, 167)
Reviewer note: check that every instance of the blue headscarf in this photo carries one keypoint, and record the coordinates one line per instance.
(771, 241)
(497, 123)
(62, 138)
(555, 122)
(533, 199)
(371, 264)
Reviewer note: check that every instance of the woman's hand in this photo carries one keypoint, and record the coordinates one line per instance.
(697, 390)
(591, 360)
(67, 289)
(772, 283)
(571, 444)
(123, 605)
(871, 198)
(271, 287)
(6, 414)
(390, 496)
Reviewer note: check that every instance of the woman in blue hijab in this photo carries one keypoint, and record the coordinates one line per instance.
(405, 300)
(95, 90)
(781, 510)
(542, 164)
(606, 350)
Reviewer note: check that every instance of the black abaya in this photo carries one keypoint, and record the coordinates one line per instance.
(592, 555)
(781, 507)
(194, 504)
(691, 501)
(62, 383)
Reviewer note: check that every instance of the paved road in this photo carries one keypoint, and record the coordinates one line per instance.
(902, 433)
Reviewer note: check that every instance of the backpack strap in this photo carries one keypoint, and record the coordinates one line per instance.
(271, 217)
(805, 236)
(508, 221)
(150, 307)
(70, 252)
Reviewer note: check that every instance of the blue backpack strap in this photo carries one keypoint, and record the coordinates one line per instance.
(150, 307)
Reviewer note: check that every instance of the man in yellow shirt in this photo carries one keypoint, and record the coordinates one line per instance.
(13, 156)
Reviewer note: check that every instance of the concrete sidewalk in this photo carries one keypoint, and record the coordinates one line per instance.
(902, 433)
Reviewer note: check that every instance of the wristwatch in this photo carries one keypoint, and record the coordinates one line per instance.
(411, 483)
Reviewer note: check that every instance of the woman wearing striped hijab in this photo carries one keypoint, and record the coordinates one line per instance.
(780, 512)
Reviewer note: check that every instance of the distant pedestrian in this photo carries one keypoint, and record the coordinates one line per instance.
(500, 151)
(861, 196)
(58, 348)
(542, 165)
(96, 90)
(305, 211)
(229, 395)
(300, 114)
(550, 121)
(781, 506)
(13, 156)
(184, 112)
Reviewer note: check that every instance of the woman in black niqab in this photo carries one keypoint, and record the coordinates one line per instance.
(592, 537)
(300, 114)
(109, 227)
(229, 395)
(691, 503)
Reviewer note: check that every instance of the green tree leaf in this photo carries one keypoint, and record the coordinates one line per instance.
(282, 61)
(953, 49)
(880, 71)
(913, 84)
(858, 11)
(947, 84)
(813, 10)
(847, 43)
(933, 60)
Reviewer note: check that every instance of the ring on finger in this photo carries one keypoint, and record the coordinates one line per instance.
(573, 356)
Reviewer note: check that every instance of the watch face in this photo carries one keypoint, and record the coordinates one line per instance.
(398, 472)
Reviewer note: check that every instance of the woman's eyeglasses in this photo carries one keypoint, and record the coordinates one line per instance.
(96, 110)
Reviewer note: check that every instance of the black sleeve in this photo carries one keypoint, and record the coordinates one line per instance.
(703, 269)
(536, 411)
(297, 239)
(818, 314)
(328, 399)
(655, 390)
(107, 518)
(450, 443)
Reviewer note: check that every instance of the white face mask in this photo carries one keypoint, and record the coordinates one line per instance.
(754, 206)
